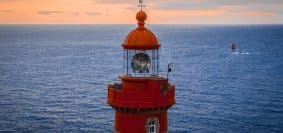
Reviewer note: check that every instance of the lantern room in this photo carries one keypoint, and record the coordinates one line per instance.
(141, 51)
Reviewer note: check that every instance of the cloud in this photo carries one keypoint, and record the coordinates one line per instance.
(92, 13)
(131, 9)
(49, 12)
(7, 0)
(117, 1)
(210, 4)
(6, 11)
(74, 13)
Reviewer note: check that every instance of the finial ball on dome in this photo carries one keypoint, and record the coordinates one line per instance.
(141, 16)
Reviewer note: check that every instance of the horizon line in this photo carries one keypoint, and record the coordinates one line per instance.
(146, 24)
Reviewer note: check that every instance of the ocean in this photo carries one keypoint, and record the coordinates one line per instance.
(53, 78)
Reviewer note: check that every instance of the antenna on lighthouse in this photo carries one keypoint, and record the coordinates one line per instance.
(169, 70)
(141, 5)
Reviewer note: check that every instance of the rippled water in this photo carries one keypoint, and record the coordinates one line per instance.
(53, 78)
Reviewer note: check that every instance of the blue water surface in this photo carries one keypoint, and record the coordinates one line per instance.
(53, 78)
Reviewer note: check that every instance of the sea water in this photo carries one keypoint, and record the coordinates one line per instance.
(53, 78)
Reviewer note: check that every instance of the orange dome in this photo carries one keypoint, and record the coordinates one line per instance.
(141, 16)
(141, 38)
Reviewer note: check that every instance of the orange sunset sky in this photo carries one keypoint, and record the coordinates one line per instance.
(123, 11)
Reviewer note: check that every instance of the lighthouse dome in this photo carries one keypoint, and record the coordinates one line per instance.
(141, 38)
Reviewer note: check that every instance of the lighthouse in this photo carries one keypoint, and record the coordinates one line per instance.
(143, 97)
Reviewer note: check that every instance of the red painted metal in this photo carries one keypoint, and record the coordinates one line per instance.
(142, 93)
(138, 99)
(136, 123)
(141, 38)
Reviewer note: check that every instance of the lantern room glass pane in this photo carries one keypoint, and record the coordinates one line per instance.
(141, 63)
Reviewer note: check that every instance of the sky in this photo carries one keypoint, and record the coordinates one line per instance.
(159, 11)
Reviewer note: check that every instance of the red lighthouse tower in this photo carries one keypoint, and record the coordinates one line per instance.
(143, 97)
